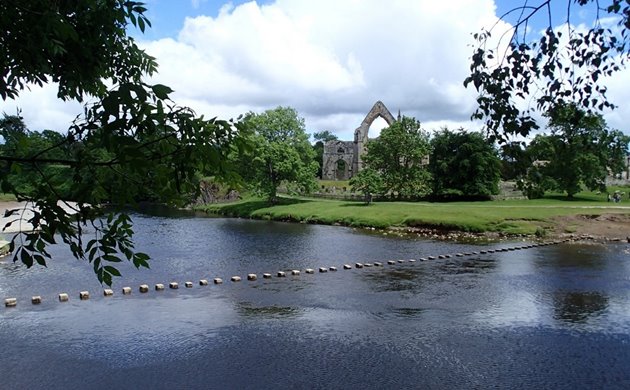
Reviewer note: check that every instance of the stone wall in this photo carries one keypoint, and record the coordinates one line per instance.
(337, 160)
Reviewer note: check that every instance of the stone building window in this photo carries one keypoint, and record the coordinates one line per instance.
(342, 169)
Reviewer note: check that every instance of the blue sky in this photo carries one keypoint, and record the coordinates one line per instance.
(329, 59)
(167, 16)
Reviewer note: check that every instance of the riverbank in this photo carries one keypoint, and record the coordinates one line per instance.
(550, 218)
(541, 217)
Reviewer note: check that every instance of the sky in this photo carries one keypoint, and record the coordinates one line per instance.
(329, 59)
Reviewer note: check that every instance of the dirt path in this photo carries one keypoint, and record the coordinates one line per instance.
(606, 226)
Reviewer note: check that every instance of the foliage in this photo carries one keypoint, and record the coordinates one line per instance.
(321, 138)
(565, 65)
(368, 182)
(534, 183)
(579, 152)
(463, 164)
(397, 155)
(324, 136)
(81, 45)
(514, 160)
(281, 153)
(132, 134)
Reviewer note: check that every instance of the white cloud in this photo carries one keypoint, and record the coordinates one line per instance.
(41, 108)
(330, 59)
(619, 93)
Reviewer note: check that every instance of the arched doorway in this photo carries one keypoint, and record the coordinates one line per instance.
(341, 173)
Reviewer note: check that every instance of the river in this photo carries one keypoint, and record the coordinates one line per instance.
(554, 317)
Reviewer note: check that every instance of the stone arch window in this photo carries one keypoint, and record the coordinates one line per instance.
(342, 169)
(341, 150)
(361, 133)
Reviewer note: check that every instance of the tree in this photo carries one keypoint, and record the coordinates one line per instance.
(368, 182)
(463, 164)
(514, 160)
(580, 151)
(132, 134)
(19, 141)
(321, 138)
(81, 45)
(324, 136)
(282, 153)
(565, 65)
(397, 155)
(534, 182)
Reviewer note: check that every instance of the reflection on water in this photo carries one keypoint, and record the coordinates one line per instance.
(401, 279)
(573, 257)
(579, 306)
(468, 266)
(549, 317)
(267, 312)
(409, 312)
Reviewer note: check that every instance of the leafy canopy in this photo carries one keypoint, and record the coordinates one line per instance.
(281, 153)
(580, 151)
(131, 134)
(565, 65)
(368, 182)
(397, 155)
(324, 136)
(81, 45)
(321, 137)
(463, 164)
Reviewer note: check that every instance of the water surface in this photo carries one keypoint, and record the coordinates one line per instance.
(548, 317)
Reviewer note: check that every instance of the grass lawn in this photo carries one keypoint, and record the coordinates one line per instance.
(506, 216)
(7, 197)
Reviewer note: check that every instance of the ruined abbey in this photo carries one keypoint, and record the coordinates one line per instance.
(342, 159)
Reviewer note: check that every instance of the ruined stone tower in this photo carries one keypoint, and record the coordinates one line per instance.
(343, 159)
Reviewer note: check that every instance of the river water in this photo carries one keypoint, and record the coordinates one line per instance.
(554, 317)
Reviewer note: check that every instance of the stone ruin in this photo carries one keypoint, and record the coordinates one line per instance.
(342, 159)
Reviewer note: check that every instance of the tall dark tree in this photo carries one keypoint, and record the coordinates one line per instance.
(321, 137)
(565, 65)
(514, 160)
(580, 151)
(534, 182)
(463, 164)
(132, 130)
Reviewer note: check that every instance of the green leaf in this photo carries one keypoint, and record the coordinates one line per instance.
(40, 260)
(111, 258)
(107, 278)
(26, 258)
(161, 91)
(112, 270)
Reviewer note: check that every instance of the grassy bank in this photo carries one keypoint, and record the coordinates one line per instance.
(7, 197)
(509, 216)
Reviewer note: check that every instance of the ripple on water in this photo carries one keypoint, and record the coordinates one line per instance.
(520, 319)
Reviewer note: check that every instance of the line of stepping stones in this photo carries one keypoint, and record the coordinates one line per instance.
(144, 288)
